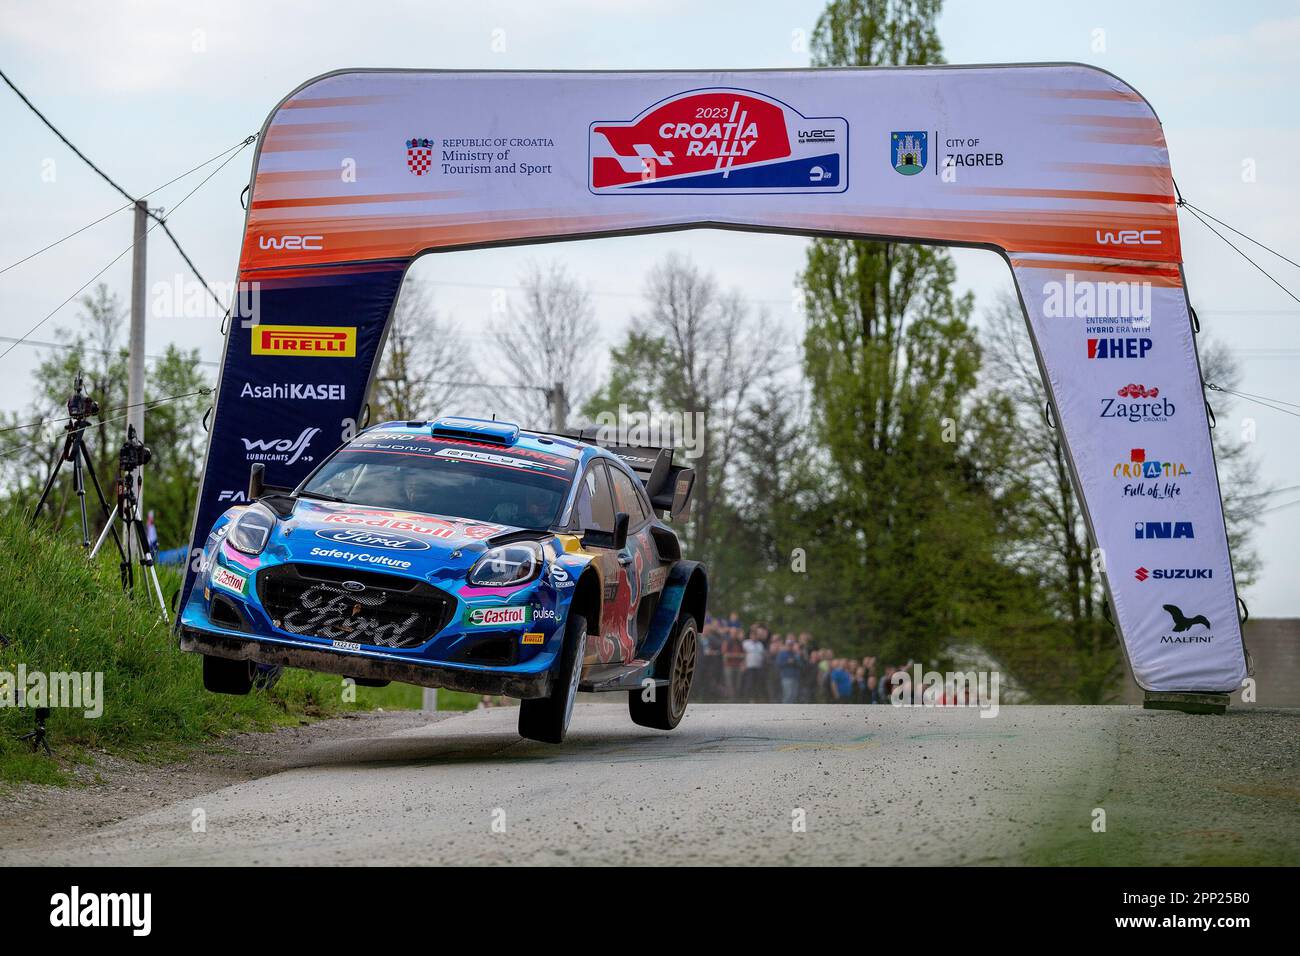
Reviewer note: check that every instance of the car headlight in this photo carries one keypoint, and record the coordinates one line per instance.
(508, 564)
(251, 530)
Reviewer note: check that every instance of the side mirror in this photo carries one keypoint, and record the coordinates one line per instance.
(256, 481)
(621, 522)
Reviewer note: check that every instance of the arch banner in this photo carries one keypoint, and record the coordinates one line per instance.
(1062, 169)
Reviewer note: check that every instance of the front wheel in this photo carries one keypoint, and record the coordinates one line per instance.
(547, 718)
(224, 676)
(667, 705)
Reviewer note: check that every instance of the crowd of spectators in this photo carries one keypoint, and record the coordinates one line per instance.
(754, 664)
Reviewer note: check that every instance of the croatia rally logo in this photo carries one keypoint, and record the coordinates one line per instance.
(706, 141)
(419, 155)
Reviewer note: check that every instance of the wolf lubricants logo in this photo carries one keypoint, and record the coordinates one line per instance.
(314, 341)
(709, 140)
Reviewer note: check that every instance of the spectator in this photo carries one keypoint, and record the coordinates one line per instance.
(755, 659)
(841, 682)
(790, 667)
(733, 662)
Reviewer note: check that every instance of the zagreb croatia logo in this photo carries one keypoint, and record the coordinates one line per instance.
(709, 141)
(419, 155)
(909, 151)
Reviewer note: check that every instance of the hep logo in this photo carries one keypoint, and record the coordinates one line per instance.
(722, 139)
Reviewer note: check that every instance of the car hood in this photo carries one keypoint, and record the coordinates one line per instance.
(319, 529)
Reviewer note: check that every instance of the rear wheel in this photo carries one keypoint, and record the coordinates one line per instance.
(667, 705)
(224, 676)
(547, 718)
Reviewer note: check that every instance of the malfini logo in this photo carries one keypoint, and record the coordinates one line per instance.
(704, 141)
(1139, 466)
(497, 616)
(307, 341)
(1118, 348)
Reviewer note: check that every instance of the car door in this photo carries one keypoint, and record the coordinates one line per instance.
(639, 559)
(594, 511)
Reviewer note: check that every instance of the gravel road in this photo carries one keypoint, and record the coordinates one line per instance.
(749, 784)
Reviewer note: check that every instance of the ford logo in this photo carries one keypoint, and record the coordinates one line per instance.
(354, 585)
(385, 540)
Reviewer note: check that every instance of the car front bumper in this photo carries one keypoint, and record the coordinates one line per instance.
(312, 656)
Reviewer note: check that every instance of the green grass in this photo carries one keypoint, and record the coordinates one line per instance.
(60, 612)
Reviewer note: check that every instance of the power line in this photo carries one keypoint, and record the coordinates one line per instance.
(114, 212)
(119, 256)
(1231, 245)
(1257, 399)
(73, 346)
(1242, 234)
(109, 179)
(147, 406)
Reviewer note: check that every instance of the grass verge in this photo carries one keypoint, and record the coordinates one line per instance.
(60, 613)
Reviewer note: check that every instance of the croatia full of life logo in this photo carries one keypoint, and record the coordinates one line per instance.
(719, 140)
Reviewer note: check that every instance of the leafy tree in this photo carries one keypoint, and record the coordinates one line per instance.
(904, 536)
(173, 425)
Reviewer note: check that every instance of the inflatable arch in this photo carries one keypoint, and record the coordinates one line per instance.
(1062, 169)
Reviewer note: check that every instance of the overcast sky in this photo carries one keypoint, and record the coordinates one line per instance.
(150, 89)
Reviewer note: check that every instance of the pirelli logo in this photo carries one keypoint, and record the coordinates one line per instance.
(316, 341)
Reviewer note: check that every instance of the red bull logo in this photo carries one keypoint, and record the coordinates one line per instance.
(710, 140)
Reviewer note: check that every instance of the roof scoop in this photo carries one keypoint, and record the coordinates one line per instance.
(504, 434)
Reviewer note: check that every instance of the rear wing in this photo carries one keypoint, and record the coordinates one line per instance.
(668, 486)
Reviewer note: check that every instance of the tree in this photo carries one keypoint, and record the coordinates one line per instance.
(174, 430)
(696, 351)
(419, 364)
(905, 528)
(550, 340)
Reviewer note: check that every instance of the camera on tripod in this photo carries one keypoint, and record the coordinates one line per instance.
(134, 453)
(81, 405)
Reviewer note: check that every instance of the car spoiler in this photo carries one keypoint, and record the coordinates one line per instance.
(668, 486)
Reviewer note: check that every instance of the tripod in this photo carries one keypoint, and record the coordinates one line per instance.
(37, 736)
(132, 459)
(80, 408)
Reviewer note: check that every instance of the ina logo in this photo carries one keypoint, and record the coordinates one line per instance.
(419, 155)
(909, 151)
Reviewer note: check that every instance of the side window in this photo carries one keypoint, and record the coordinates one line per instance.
(625, 497)
(595, 509)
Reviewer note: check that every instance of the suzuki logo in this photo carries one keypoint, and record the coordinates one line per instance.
(1129, 237)
(313, 243)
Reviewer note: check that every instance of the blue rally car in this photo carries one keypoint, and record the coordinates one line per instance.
(464, 554)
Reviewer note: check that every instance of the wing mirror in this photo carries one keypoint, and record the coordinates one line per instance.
(616, 539)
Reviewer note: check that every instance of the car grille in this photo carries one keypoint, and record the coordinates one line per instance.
(361, 607)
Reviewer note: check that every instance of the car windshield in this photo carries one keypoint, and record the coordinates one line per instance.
(520, 487)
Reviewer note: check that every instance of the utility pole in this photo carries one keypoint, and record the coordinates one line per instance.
(135, 360)
(559, 406)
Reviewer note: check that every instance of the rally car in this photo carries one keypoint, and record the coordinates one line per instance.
(464, 554)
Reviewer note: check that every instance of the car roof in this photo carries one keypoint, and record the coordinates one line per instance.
(493, 432)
